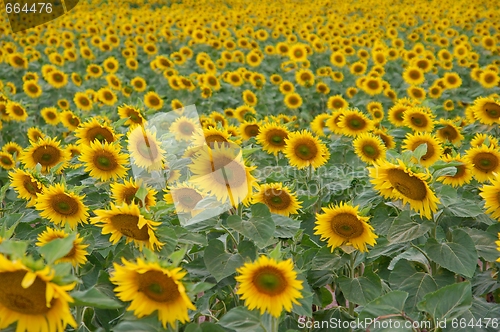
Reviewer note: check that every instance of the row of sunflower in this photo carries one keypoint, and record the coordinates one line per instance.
(253, 167)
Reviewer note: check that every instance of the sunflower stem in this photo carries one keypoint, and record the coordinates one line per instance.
(230, 234)
(275, 323)
(352, 275)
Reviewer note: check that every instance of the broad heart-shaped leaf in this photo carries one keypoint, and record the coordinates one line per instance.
(403, 229)
(94, 298)
(480, 314)
(392, 303)
(219, 263)
(240, 319)
(57, 248)
(285, 227)
(458, 256)
(259, 228)
(204, 327)
(361, 290)
(448, 302)
(405, 277)
(484, 242)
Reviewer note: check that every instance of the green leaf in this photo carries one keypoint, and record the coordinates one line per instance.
(392, 303)
(306, 302)
(247, 249)
(484, 243)
(15, 248)
(420, 151)
(242, 320)
(94, 298)
(204, 327)
(219, 263)
(463, 208)
(458, 256)
(448, 302)
(285, 227)
(57, 248)
(404, 229)
(361, 290)
(259, 228)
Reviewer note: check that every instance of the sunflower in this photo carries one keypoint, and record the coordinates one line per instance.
(353, 122)
(184, 128)
(126, 193)
(373, 86)
(152, 100)
(145, 149)
(46, 152)
(304, 77)
(336, 103)
(61, 207)
(151, 288)
(272, 137)
(82, 101)
(57, 78)
(6, 160)
(30, 298)
(319, 124)
(244, 112)
(480, 139)
(103, 160)
(269, 286)
(305, 150)
(13, 149)
(93, 130)
(16, 111)
(341, 224)
(487, 110)
(396, 114)
(369, 148)
(450, 132)
(333, 122)
(139, 84)
(293, 100)
(452, 80)
(286, 87)
(376, 110)
(132, 114)
(463, 173)
(76, 255)
(34, 134)
(434, 149)
(419, 119)
(397, 181)
(126, 220)
(27, 186)
(491, 197)
(278, 199)
(107, 96)
(32, 89)
(70, 120)
(489, 79)
(485, 161)
(249, 98)
(211, 136)
(221, 170)
(414, 75)
(249, 129)
(385, 137)
(185, 196)
(297, 53)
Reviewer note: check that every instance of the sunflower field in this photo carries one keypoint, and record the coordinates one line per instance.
(251, 166)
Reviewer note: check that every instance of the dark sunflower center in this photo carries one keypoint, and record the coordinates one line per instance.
(154, 101)
(419, 120)
(270, 281)
(277, 199)
(64, 204)
(6, 160)
(371, 151)
(33, 88)
(101, 134)
(306, 150)
(449, 133)
(127, 225)
(356, 123)
(105, 161)
(58, 77)
(228, 172)
(430, 149)
(460, 172)
(46, 155)
(158, 287)
(210, 139)
(410, 186)
(252, 130)
(27, 301)
(148, 149)
(186, 128)
(31, 186)
(346, 226)
(188, 197)
(18, 110)
(492, 110)
(485, 161)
